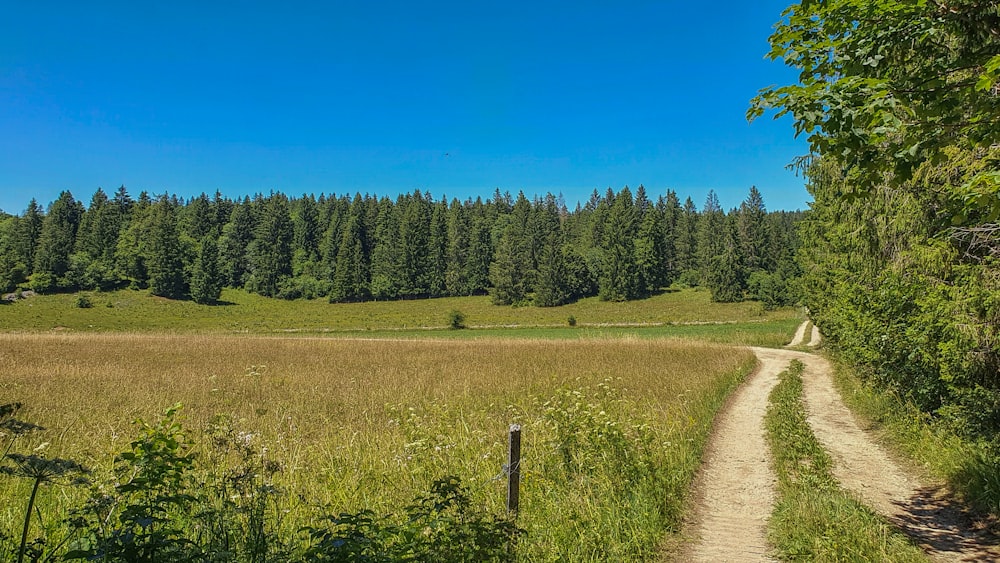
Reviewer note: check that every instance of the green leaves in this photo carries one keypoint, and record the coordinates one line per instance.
(885, 85)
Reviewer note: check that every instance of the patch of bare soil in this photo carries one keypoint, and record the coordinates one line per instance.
(735, 487)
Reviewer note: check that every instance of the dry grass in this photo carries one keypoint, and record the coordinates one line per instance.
(364, 422)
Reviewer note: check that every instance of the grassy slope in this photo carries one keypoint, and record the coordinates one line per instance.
(687, 314)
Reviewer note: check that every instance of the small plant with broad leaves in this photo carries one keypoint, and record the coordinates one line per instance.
(440, 526)
(141, 515)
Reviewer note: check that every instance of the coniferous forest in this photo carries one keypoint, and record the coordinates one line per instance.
(618, 246)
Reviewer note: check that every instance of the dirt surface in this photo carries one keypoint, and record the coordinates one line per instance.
(735, 488)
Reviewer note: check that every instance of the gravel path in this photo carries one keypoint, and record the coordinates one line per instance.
(734, 491)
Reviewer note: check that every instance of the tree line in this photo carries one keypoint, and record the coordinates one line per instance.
(901, 249)
(619, 246)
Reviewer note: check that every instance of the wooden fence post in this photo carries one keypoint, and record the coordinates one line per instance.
(514, 468)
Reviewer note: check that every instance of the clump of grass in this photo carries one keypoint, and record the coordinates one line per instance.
(814, 519)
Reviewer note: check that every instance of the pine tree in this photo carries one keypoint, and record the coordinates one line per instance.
(166, 268)
(386, 258)
(618, 281)
(270, 253)
(237, 234)
(56, 241)
(206, 279)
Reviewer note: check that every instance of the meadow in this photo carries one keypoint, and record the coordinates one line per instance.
(241, 312)
(614, 421)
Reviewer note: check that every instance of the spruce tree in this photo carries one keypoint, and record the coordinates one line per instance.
(351, 280)
(24, 238)
(206, 279)
(438, 250)
(132, 249)
(650, 254)
(415, 240)
(166, 268)
(386, 281)
(508, 272)
(618, 280)
(270, 253)
(552, 286)
(459, 242)
(56, 241)
(481, 250)
(237, 234)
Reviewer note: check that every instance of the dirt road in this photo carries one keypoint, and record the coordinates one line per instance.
(735, 489)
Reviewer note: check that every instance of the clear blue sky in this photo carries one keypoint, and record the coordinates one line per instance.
(455, 98)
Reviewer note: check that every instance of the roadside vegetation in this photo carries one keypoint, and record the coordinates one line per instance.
(814, 519)
(278, 435)
(931, 447)
(900, 248)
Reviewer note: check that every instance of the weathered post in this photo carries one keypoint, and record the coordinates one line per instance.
(514, 468)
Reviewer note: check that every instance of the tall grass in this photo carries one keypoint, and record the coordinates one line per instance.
(971, 470)
(613, 428)
(814, 519)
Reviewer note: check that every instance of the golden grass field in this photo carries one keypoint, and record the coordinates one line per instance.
(369, 423)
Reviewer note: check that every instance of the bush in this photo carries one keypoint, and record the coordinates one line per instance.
(456, 320)
(83, 301)
(571, 321)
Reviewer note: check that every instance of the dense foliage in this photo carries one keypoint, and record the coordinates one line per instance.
(901, 247)
(620, 246)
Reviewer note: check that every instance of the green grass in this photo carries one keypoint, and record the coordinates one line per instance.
(243, 312)
(814, 519)
(972, 471)
(613, 428)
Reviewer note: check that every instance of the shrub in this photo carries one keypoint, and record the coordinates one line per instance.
(456, 320)
(83, 301)
(571, 321)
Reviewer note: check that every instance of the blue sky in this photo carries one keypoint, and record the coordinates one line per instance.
(455, 98)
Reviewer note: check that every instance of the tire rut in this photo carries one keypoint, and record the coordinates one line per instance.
(734, 490)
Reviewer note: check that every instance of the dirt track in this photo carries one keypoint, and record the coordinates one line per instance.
(734, 491)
